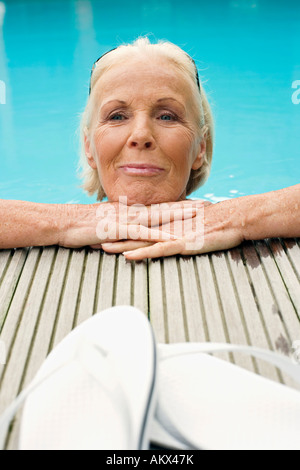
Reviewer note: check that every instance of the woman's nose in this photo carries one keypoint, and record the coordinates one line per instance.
(141, 136)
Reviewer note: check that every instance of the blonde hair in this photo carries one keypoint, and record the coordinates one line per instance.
(186, 65)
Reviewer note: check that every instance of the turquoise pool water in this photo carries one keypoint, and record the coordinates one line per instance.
(248, 55)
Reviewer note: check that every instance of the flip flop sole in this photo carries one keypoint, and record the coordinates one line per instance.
(96, 387)
(224, 407)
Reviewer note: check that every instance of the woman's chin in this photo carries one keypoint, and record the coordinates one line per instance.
(146, 191)
(144, 198)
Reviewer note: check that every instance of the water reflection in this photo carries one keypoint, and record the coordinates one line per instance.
(7, 143)
(247, 52)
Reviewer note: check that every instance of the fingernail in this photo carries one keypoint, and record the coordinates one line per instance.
(127, 252)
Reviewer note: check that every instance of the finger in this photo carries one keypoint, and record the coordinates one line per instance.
(156, 217)
(221, 241)
(120, 247)
(157, 250)
(140, 232)
(111, 232)
(172, 216)
(178, 227)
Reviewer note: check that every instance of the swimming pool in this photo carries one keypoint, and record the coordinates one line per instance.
(248, 55)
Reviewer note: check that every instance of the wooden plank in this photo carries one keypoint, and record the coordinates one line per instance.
(196, 299)
(12, 378)
(175, 314)
(88, 294)
(157, 301)
(10, 281)
(42, 341)
(288, 274)
(267, 304)
(107, 280)
(17, 305)
(192, 300)
(140, 283)
(42, 344)
(286, 309)
(123, 282)
(213, 317)
(251, 315)
(13, 439)
(68, 307)
(293, 251)
(5, 257)
(233, 316)
(283, 308)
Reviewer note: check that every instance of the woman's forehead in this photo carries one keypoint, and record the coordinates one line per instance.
(150, 78)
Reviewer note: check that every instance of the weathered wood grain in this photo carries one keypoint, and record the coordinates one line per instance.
(247, 295)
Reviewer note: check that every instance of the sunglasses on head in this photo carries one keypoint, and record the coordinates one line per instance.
(96, 62)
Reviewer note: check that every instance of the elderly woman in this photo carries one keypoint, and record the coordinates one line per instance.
(147, 139)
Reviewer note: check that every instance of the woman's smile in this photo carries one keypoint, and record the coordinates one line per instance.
(141, 169)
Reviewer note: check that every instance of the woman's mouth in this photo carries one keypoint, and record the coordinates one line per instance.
(141, 169)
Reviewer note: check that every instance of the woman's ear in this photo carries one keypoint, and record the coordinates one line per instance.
(88, 153)
(198, 162)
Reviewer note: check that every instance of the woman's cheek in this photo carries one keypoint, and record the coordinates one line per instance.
(183, 136)
(106, 146)
(181, 152)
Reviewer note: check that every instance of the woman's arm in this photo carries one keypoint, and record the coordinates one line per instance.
(25, 224)
(273, 214)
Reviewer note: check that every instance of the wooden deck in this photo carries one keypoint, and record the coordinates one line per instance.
(248, 295)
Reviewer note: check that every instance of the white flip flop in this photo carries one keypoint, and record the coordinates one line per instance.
(207, 403)
(95, 390)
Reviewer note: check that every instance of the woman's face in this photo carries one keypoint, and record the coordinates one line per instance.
(143, 138)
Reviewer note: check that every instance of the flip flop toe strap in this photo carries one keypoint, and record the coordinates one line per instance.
(285, 364)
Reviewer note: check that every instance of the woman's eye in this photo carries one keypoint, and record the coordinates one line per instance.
(167, 117)
(117, 117)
